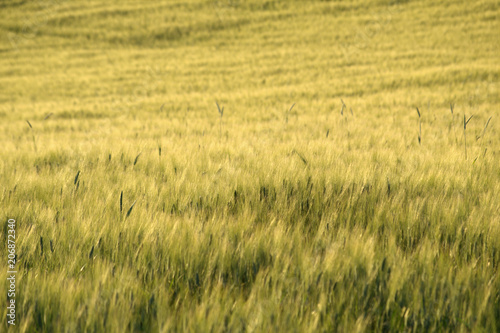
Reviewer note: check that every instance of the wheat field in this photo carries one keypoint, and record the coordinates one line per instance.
(251, 166)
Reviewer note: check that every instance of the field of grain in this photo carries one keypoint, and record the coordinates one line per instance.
(257, 166)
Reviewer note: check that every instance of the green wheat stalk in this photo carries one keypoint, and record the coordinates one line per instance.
(32, 135)
(221, 113)
(466, 121)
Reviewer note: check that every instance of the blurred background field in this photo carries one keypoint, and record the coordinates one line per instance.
(141, 208)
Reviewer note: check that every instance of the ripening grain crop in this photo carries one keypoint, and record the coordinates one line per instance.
(142, 206)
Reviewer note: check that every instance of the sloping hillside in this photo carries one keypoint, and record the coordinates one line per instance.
(338, 190)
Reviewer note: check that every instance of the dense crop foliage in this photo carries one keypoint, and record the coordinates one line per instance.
(209, 166)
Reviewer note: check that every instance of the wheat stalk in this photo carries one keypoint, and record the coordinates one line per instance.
(41, 245)
(221, 113)
(121, 202)
(300, 155)
(137, 158)
(484, 130)
(465, 135)
(76, 177)
(452, 106)
(288, 112)
(419, 127)
(32, 135)
(482, 135)
(91, 252)
(344, 107)
(130, 209)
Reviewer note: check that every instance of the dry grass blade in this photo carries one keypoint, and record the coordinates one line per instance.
(48, 116)
(29, 124)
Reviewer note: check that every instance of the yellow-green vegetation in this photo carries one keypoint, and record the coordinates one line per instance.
(141, 206)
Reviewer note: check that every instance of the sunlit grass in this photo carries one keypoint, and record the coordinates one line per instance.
(251, 166)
